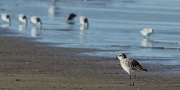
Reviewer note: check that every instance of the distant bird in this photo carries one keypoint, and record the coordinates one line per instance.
(22, 18)
(70, 18)
(36, 20)
(147, 31)
(5, 17)
(83, 20)
(130, 65)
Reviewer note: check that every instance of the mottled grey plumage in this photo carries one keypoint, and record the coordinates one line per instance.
(130, 65)
(133, 64)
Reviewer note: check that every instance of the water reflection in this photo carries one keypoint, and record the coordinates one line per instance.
(22, 27)
(146, 43)
(82, 36)
(84, 27)
(6, 25)
(54, 2)
(35, 31)
(51, 11)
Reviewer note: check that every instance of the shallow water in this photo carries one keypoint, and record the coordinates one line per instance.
(114, 26)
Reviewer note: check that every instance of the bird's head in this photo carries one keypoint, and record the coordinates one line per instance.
(151, 30)
(39, 21)
(121, 56)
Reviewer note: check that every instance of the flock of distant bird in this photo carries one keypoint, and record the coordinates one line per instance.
(22, 18)
(37, 21)
(70, 20)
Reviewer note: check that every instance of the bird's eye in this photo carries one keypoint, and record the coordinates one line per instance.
(119, 55)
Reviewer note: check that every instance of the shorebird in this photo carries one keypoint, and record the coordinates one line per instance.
(70, 18)
(22, 18)
(36, 20)
(83, 20)
(147, 31)
(130, 65)
(5, 17)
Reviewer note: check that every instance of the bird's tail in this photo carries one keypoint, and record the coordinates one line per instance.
(144, 69)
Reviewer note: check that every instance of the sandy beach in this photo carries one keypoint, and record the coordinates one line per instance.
(29, 65)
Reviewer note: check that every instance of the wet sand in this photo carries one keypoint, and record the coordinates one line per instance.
(29, 65)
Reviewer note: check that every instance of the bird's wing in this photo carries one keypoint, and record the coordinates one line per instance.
(134, 65)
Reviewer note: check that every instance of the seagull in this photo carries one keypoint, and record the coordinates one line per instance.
(130, 65)
(36, 20)
(5, 17)
(83, 20)
(22, 18)
(70, 18)
(147, 31)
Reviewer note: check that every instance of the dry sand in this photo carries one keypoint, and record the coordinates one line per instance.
(28, 65)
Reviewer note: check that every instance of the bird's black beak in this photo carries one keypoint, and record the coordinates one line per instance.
(116, 58)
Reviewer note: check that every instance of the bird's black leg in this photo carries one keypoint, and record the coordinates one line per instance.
(130, 77)
(131, 83)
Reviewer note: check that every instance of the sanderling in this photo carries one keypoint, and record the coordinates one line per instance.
(147, 31)
(83, 20)
(22, 18)
(130, 65)
(36, 20)
(70, 18)
(5, 17)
